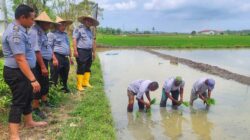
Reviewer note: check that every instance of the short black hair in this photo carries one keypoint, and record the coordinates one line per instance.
(23, 10)
(155, 84)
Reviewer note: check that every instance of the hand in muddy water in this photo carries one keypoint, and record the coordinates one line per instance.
(147, 105)
(179, 102)
(205, 101)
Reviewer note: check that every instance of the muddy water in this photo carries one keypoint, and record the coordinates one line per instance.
(235, 60)
(228, 119)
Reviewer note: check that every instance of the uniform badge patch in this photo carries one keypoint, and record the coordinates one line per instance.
(16, 39)
(16, 28)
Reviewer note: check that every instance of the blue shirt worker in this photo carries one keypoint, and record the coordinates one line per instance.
(172, 89)
(84, 50)
(20, 61)
(59, 41)
(44, 55)
(202, 88)
(138, 88)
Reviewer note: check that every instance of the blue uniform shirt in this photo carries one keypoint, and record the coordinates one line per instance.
(15, 41)
(42, 42)
(59, 41)
(84, 37)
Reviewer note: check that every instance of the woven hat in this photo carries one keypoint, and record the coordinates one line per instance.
(94, 21)
(43, 17)
(60, 20)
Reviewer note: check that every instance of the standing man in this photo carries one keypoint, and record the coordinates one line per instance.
(138, 88)
(175, 87)
(20, 61)
(202, 89)
(44, 54)
(59, 41)
(84, 50)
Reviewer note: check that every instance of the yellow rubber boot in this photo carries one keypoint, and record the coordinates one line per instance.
(79, 82)
(86, 78)
(84, 81)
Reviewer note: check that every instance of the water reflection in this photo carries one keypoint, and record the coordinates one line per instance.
(201, 126)
(172, 123)
(138, 123)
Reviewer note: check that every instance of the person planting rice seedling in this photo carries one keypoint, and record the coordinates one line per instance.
(172, 89)
(138, 88)
(202, 88)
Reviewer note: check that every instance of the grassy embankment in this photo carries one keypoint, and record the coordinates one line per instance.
(78, 116)
(94, 109)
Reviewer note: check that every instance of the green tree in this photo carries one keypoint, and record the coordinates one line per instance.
(153, 29)
(136, 30)
(193, 33)
(38, 5)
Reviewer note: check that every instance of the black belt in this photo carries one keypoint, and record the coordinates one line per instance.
(60, 54)
(11, 68)
(85, 49)
(32, 69)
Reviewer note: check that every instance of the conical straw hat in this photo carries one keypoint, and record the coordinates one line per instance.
(94, 21)
(44, 18)
(60, 20)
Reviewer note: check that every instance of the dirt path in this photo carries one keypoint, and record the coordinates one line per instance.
(214, 70)
(56, 118)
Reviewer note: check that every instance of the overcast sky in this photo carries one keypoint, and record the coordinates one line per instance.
(176, 15)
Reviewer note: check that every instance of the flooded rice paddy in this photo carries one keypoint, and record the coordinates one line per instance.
(235, 60)
(228, 119)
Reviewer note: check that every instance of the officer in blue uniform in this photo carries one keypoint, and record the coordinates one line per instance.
(20, 61)
(84, 50)
(59, 41)
(44, 55)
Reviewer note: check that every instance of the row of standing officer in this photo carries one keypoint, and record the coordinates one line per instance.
(28, 50)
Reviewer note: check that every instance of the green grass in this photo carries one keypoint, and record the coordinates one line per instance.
(91, 119)
(174, 41)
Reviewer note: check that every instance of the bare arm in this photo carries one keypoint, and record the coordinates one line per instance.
(181, 93)
(142, 101)
(170, 97)
(24, 67)
(70, 57)
(94, 49)
(74, 47)
(201, 97)
(70, 52)
(55, 61)
(41, 63)
(148, 96)
(209, 93)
